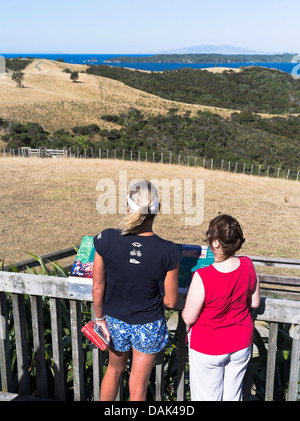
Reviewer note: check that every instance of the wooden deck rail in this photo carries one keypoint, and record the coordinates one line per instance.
(62, 254)
(76, 290)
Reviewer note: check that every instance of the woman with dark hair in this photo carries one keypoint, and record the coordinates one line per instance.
(217, 309)
(129, 264)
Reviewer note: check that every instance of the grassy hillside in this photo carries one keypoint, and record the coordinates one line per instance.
(101, 112)
(51, 99)
(56, 205)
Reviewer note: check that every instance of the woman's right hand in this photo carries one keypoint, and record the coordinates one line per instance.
(103, 326)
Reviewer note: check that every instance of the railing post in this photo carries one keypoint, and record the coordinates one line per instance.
(5, 360)
(21, 343)
(181, 357)
(77, 350)
(38, 334)
(271, 361)
(295, 367)
(58, 357)
(159, 376)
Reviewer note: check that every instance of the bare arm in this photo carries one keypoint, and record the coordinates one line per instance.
(194, 300)
(171, 288)
(255, 298)
(98, 290)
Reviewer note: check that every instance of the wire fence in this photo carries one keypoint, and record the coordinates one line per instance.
(240, 166)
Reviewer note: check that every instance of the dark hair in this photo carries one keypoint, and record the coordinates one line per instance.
(228, 232)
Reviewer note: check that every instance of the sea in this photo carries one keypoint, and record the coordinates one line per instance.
(97, 59)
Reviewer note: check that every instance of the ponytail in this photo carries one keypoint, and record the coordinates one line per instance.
(144, 205)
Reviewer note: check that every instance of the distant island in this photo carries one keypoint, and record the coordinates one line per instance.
(205, 58)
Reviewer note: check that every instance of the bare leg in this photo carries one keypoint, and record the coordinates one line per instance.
(110, 383)
(141, 368)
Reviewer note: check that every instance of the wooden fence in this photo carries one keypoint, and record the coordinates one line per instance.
(165, 158)
(76, 290)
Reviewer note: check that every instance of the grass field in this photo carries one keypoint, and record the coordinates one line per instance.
(51, 99)
(48, 205)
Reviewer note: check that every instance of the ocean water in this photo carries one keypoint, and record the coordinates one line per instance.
(100, 58)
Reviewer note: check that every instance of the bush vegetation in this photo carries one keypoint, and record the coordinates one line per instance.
(246, 137)
(17, 64)
(256, 89)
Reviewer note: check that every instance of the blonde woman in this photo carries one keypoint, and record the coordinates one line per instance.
(129, 264)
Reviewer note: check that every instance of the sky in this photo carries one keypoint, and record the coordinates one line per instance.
(146, 27)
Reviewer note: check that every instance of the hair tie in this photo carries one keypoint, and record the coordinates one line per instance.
(153, 209)
(242, 240)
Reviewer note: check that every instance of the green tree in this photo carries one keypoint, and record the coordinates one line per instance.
(74, 76)
(18, 77)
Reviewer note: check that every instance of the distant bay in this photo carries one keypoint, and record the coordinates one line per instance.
(96, 59)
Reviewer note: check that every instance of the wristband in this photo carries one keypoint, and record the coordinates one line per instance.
(100, 319)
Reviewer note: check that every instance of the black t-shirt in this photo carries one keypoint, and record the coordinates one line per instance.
(134, 266)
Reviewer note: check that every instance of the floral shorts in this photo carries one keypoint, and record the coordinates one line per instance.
(149, 338)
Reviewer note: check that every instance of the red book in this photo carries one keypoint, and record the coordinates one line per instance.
(96, 335)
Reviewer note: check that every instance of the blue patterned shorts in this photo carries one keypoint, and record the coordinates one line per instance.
(149, 338)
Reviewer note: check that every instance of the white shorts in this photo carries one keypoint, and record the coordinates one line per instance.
(218, 377)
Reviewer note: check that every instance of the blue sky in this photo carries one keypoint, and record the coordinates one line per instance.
(136, 26)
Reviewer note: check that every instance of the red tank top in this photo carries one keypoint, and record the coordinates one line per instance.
(225, 324)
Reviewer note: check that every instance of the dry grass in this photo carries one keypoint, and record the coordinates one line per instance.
(48, 205)
(50, 98)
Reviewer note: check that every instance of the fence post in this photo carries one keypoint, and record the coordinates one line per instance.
(288, 173)
(178, 159)
(278, 171)
(222, 163)
(211, 163)
(161, 157)
(244, 167)
(259, 168)
(268, 170)
(236, 166)
(170, 161)
(297, 176)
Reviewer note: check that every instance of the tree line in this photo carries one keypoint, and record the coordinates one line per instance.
(245, 137)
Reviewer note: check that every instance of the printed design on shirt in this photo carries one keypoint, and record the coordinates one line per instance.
(99, 236)
(135, 253)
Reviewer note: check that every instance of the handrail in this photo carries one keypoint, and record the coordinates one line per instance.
(77, 290)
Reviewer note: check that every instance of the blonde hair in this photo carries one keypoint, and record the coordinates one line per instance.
(145, 196)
